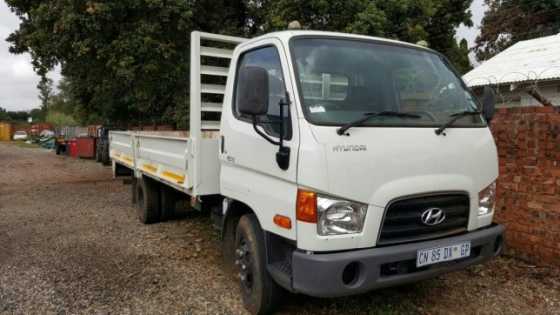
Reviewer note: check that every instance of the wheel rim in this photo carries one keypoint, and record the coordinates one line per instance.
(244, 262)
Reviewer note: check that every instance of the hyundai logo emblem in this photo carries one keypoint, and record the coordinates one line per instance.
(433, 216)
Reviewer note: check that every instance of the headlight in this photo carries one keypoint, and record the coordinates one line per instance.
(338, 216)
(487, 200)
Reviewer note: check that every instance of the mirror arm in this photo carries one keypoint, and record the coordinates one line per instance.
(283, 154)
(262, 134)
(283, 103)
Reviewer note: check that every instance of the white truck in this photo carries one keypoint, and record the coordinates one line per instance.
(332, 163)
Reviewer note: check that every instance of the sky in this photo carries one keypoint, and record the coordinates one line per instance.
(18, 82)
(477, 9)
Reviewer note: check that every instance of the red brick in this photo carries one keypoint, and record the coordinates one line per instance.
(528, 141)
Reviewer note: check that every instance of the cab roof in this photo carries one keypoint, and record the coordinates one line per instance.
(286, 35)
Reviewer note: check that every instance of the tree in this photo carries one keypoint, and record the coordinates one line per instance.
(4, 115)
(45, 93)
(19, 115)
(128, 61)
(508, 21)
(36, 115)
(60, 119)
(64, 101)
(125, 59)
(460, 54)
(434, 21)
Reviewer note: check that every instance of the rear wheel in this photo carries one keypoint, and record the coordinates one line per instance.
(147, 200)
(169, 199)
(98, 150)
(259, 291)
(105, 153)
(133, 184)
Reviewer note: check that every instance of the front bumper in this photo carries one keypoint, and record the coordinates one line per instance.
(353, 272)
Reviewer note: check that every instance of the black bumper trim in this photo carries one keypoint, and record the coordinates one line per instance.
(320, 275)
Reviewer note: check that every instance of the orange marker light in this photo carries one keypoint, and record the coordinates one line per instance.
(306, 207)
(283, 221)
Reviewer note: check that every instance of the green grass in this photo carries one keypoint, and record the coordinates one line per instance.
(23, 144)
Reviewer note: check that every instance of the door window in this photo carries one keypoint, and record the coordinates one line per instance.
(267, 58)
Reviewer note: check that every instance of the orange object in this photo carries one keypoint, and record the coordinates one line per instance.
(283, 221)
(6, 131)
(306, 206)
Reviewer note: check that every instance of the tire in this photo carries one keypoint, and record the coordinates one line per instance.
(133, 185)
(259, 291)
(147, 200)
(105, 154)
(169, 199)
(98, 150)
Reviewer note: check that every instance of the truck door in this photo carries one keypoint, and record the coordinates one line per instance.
(249, 171)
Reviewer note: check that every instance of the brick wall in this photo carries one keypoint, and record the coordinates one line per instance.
(528, 141)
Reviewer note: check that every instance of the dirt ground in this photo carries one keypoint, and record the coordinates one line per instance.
(70, 243)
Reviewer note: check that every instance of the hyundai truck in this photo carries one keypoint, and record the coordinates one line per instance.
(333, 164)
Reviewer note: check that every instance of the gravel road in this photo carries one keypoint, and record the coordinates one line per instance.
(70, 244)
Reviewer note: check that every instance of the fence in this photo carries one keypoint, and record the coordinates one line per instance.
(528, 141)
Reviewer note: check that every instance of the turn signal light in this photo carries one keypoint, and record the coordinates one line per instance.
(283, 221)
(306, 206)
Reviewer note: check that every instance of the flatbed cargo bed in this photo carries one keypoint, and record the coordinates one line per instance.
(185, 160)
(168, 156)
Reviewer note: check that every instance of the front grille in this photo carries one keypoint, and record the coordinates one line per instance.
(402, 222)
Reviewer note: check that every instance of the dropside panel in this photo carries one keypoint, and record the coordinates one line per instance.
(164, 158)
(121, 148)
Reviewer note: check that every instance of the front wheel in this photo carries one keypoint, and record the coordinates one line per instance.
(259, 291)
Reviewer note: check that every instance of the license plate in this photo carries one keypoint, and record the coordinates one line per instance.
(436, 255)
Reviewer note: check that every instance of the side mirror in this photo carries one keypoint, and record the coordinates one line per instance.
(488, 103)
(253, 91)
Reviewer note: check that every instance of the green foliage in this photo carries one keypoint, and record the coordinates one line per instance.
(37, 115)
(19, 116)
(127, 61)
(508, 21)
(460, 54)
(14, 116)
(64, 102)
(45, 92)
(60, 119)
(4, 115)
(124, 59)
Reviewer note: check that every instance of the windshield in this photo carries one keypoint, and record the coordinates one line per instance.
(340, 80)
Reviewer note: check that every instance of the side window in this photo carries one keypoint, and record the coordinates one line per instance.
(267, 58)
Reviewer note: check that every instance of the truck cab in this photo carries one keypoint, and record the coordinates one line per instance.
(362, 201)
(344, 163)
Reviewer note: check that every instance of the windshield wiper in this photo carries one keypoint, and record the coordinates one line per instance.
(454, 118)
(342, 130)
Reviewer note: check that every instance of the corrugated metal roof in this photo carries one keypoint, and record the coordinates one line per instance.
(530, 60)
